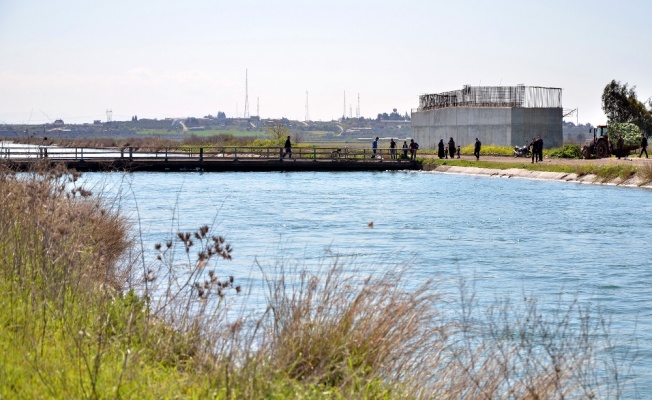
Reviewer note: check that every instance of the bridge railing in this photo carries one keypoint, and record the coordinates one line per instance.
(202, 153)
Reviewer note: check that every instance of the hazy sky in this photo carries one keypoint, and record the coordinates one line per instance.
(76, 59)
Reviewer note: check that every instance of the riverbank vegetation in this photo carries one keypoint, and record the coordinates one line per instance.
(602, 172)
(83, 314)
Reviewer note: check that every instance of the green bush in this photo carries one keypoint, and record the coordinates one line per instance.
(566, 151)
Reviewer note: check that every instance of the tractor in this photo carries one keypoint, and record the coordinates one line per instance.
(605, 137)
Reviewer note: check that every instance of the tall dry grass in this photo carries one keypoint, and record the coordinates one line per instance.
(83, 323)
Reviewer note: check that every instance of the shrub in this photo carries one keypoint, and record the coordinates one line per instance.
(566, 151)
(489, 150)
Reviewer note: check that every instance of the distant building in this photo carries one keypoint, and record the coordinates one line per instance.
(58, 123)
(499, 115)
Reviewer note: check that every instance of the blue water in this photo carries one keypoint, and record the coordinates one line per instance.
(509, 236)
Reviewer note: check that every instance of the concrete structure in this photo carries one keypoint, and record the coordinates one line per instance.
(503, 116)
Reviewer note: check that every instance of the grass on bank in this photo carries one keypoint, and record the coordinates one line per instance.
(80, 317)
(603, 173)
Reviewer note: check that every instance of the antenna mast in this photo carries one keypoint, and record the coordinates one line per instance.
(357, 110)
(307, 114)
(258, 107)
(344, 112)
(246, 107)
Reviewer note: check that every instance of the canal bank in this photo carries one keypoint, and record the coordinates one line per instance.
(629, 172)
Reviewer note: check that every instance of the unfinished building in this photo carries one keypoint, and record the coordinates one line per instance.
(499, 115)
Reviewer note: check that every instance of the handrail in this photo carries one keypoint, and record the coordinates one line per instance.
(203, 153)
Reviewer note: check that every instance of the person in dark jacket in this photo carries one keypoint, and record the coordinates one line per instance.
(392, 149)
(643, 146)
(534, 149)
(619, 146)
(414, 146)
(476, 149)
(440, 148)
(288, 148)
(540, 148)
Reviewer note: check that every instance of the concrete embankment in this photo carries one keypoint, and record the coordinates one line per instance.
(543, 175)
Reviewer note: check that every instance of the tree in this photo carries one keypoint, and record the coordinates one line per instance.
(278, 131)
(620, 104)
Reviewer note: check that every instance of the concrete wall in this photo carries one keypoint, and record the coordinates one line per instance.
(530, 122)
(501, 126)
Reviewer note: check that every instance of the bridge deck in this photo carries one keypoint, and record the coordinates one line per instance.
(205, 159)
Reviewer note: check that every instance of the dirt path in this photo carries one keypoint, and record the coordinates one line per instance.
(516, 172)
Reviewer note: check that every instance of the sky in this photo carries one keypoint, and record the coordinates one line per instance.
(76, 59)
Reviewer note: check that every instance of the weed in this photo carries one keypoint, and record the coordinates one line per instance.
(78, 320)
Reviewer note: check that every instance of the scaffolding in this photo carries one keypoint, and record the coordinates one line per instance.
(519, 96)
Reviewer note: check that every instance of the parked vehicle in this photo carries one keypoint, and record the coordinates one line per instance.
(522, 151)
(605, 137)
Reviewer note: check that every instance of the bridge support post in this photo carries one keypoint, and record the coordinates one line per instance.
(201, 154)
(131, 153)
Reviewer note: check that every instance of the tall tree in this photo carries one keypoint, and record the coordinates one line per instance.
(617, 101)
(620, 104)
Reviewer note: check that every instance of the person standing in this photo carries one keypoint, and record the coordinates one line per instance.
(476, 149)
(459, 151)
(374, 147)
(440, 149)
(288, 147)
(540, 147)
(643, 146)
(619, 146)
(533, 145)
(392, 149)
(405, 150)
(451, 148)
(413, 149)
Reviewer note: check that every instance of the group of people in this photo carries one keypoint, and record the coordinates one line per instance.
(411, 148)
(444, 151)
(536, 147)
